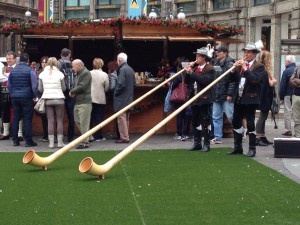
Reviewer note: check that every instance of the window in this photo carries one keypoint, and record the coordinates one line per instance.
(188, 7)
(221, 4)
(109, 2)
(261, 2)
(77, 3)
(108, 8)
(77, 14)
(155, 4)
(77, 9)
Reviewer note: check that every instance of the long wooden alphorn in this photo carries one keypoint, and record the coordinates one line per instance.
(87, 165)
(33, 159)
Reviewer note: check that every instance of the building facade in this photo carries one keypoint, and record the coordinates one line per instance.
(13, 11)
(275, 22)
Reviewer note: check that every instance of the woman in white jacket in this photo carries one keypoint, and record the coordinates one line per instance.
(52, 85)
(100, 85)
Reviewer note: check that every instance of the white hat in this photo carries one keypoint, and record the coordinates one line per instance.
(255, 47)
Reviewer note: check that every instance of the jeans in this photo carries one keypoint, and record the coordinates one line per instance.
(218, 109)
(23, 107)
(69, 105)
(183, 122)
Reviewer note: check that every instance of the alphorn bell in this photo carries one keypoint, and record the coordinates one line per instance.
(33, 159)
(87, 165)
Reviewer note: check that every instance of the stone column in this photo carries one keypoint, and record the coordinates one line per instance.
(275, 45)
(295, 21)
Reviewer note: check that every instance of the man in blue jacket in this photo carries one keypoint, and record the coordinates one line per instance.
(285, 92)
(23, 88)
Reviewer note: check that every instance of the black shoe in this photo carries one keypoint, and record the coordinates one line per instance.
(82, 146)
(16, 143)
(260, 142)
(30, 144)
(251, 153)
(21, 138)
(120, 141)
(205, 148)
(265, 140)
(195, 148)
(2, 138)
(235, 152)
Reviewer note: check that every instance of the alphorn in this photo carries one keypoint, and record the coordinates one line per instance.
(33, 159)
(87, 165)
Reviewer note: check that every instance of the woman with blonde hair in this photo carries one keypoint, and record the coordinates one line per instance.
(52, 85)
(100, 85)
(266, 98)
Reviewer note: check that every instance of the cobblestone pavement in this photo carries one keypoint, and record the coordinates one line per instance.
(265, 155)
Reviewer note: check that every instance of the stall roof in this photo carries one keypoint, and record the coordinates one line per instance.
(45, 36)
(190, 38)
(107, 37)
(148, 37)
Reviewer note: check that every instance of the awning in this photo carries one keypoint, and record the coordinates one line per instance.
(144, 38)
(106, 37)
(190, 38)
(45, 36)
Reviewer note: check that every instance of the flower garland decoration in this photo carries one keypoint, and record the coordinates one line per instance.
(145, 105)
(209, 28)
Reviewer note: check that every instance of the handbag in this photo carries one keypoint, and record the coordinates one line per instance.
(168, 106)
(275, 103)
(180, 93)
(40, 106)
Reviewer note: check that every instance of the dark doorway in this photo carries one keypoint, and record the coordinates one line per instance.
(87, 50)
(37, 48)
(144, 55)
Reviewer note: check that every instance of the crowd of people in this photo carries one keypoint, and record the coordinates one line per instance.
(249, 87)
(68, 86)
(65, 86)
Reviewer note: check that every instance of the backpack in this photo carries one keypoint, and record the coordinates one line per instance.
(66, 69)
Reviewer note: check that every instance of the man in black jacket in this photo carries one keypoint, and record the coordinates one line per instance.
(224, 92)
(198, 78)
(249, 73)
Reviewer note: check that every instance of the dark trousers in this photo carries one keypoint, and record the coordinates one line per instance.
(5, 107)
(202, 115)
(242, 111)
(69, 105)
(97, 116)
(23, 107)
(183, 122)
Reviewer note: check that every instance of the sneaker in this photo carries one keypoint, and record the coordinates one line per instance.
(101, 139)
(184, 137)
(215, 141)
(176, 137)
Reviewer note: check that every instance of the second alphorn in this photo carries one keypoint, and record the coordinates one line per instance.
(87, 165)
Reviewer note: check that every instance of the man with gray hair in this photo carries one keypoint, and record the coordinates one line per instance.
(285, 92)
(83, 99)
(123, 96)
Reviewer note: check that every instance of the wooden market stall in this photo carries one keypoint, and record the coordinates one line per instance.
(145, 42)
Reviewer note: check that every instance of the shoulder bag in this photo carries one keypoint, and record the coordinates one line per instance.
(40, 106)
(180, 93)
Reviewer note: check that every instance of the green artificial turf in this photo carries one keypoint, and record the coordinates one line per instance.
(157, 187)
